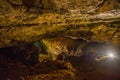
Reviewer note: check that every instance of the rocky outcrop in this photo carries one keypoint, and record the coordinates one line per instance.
(25, 22)
(68, 46)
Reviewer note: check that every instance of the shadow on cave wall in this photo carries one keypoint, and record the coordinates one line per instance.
(27, 53)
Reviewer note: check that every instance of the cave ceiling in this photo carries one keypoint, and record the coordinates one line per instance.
(25, 21)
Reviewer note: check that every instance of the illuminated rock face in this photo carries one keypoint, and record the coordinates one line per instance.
(83, 6)
(25, 21)
(65, 46)
(32, 31)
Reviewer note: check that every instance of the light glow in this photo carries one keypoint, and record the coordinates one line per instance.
(111, 55)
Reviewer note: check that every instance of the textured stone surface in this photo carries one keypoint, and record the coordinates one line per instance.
(24, 21)
(41, 30)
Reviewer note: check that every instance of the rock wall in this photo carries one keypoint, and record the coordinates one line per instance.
(68, 46)
(25, 21)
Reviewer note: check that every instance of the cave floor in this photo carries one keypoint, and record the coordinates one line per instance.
(74, 69)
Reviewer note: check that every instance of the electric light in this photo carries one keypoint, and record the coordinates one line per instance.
(111, 55)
